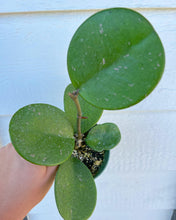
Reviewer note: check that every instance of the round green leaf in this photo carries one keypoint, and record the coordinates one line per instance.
(103, 137)
(115, 58)
(42, 134)
(89, 111)
(75, 190)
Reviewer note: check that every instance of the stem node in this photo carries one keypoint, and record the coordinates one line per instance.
(74, 97)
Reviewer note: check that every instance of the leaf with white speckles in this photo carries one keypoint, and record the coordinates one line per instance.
(103, 137)
(123, 50)
(75, 190)
(42, 134)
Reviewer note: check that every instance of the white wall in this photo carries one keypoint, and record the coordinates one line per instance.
(140, 180)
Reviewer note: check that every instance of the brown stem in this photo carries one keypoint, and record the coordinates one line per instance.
(74, 97)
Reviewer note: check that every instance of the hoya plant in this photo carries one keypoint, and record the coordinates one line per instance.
(115, 59)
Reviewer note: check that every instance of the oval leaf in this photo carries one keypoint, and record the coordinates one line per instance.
(103, 137)
(75, 190)
(115, 58)
(41, 134)
(89, 111)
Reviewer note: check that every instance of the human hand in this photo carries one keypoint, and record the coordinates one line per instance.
(22, 184)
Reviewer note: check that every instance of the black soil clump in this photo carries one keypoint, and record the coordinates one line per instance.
(92, 159)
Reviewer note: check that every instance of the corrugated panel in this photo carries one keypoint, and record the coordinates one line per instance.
(124, 196)
(122, 215)
(55, 5)
(147, 142)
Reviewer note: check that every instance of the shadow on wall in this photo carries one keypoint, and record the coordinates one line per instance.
(174, 215)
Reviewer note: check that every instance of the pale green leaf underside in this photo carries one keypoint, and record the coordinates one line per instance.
(42, 134)
(103, 137)
(115, 58)
(75, 190)
(91, 112)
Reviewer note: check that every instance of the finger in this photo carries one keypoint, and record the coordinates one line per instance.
(51, 171)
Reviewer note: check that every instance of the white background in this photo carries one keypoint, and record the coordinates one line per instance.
(140, 180)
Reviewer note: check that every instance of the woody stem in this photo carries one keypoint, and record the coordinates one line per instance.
(74, 97)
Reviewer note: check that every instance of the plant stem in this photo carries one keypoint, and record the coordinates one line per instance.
(74, 97)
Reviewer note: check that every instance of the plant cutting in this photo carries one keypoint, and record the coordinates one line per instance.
(115, 59)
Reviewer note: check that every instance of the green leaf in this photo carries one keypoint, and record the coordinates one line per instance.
(42, 134)
(115, 58)
(75, 190)
(103, 137)
(91, 112)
